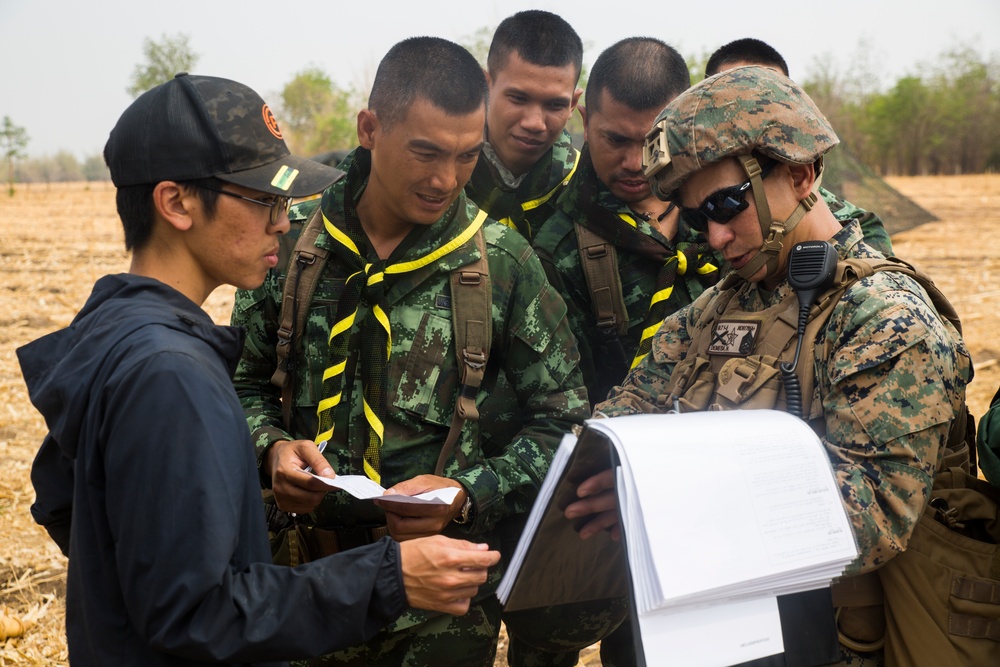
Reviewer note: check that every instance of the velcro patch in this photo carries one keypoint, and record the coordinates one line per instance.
(733, 338)
(442, 301)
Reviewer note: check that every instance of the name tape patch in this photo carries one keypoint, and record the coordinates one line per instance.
(734, 338)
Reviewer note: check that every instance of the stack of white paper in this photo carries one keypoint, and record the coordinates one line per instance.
(721, 511)
(724, 505)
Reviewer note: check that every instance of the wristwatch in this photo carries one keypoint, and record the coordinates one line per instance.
(465, 514)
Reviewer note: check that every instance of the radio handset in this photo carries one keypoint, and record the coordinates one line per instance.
(811, 268)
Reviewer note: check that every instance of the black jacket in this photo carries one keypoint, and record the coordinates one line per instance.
(147, 480)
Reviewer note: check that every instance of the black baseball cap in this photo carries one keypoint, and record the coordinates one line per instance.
(202, 126)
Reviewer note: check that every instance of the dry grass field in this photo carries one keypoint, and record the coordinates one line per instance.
(55, 241)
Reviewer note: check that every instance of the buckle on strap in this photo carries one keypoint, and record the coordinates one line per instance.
(474, 359)
(284, 336)
(740, 377)
(470, 278)
(305, 258)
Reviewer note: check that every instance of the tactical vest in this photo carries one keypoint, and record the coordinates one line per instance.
(734, 364)
(472, 324)
(734, 360)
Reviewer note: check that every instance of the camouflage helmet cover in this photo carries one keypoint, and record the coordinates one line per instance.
(733, 113)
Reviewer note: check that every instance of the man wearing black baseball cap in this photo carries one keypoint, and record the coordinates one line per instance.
(147, 479)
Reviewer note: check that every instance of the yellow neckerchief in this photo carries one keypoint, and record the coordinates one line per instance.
(660, 296)
(532, 204)
(373, 274)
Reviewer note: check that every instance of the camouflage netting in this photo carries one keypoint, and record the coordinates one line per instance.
(846, 176)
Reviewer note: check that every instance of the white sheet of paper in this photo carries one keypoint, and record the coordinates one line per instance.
(435, 497)
(737, 632)
(365, 488)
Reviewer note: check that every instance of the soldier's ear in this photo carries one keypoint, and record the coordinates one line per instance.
(803, 177)
(368, 126)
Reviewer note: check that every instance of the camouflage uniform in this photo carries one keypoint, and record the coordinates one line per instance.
(526, 205)
(532, 346)
(890, 377)
(888, 373)
(871, 225)
(564, 629)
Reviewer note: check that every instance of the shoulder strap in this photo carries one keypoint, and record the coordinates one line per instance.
(960, 451)
(599, 260)
(865, 267)
(472, 330)
(303, 274)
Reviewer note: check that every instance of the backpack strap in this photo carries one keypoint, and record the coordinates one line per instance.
(960, 450)
(599, 260)
(303, 275)
(865, 267)
(472, 330)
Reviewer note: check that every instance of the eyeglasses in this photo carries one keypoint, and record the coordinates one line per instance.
(721, 206)
(278, 205)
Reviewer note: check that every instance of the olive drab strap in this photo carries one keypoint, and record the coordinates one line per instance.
(472, 330)
(303, 275)
(600, 269)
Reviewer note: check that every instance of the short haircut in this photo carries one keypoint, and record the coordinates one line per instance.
(442, 72)
(640, 72)
(747, 50)
(135, 208)
(538, 37)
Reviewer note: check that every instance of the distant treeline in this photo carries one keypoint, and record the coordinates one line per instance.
(943, 120)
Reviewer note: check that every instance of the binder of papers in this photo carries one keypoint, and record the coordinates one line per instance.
(721, 513)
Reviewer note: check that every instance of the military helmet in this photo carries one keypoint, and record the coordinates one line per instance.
(737, 111)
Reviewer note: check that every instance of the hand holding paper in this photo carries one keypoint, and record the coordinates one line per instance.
(407, 521)
(364, 488)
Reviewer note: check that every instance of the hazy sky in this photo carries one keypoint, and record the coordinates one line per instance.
(66, 63)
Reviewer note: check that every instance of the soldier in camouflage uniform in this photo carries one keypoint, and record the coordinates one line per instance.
(740, 153)
(750, 51)
(630, 84)
(396, 226)
(533, 67)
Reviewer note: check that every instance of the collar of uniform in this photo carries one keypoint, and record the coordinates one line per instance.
(843, 241)
(502, 173)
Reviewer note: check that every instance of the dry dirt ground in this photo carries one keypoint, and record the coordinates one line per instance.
(55, 241)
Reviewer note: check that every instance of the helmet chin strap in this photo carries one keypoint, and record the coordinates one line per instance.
(771, 230)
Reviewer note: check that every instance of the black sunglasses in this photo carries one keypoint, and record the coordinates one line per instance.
(721, 206)
(278, 205)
